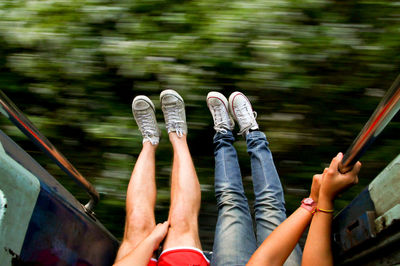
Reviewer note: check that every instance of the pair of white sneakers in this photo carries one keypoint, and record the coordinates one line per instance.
(173, 108)
(238, 107)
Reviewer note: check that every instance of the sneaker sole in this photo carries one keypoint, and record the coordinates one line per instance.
(232, 98)
(144, 98)
(170, 92)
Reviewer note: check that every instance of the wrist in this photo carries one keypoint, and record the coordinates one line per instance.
(308, 204)
(314, 198)
(326, 193)
(325, 203)
(154, 243)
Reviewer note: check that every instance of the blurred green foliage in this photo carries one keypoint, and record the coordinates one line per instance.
(314, 70)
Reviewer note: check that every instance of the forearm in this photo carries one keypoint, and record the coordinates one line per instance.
(141, 255)
(281, 242)
(318, 250)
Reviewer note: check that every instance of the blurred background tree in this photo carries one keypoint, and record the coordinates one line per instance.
(314, 70)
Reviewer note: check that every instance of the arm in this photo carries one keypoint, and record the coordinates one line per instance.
(317, 250)
(280, 243)
(141, 255)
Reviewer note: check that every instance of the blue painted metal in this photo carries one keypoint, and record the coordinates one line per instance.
(354, 224)
(59, 235)
(60, 232)
(357, 232)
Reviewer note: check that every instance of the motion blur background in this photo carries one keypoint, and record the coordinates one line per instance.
(314, 70)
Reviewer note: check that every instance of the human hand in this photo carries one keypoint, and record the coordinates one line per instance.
(159, 233)
(316, 185)
(333, 182)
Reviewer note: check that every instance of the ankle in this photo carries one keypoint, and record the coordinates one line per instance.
(147, 145)
(173, 137)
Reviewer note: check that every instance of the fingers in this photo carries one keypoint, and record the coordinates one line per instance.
(354, 172)
(162, 228)
(315, 186)
(317, 179)
(335, 162)
(160, 231)
(317, 176)
(356, 168)
(333, 182)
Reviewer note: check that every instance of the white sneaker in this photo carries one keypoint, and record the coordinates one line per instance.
(144, 113)
(174, 112)
(242, 112)
(218, 105)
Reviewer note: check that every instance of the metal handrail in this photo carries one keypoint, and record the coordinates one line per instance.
(386, 110)
(9, 110)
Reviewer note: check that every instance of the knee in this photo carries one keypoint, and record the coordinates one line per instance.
(271, 202)
(183, 221)
(230, 198)
(139, 222)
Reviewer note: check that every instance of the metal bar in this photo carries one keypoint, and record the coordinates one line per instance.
(385, 111)
(22, 122)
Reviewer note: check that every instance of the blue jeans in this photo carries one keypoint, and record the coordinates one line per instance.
(235, 241)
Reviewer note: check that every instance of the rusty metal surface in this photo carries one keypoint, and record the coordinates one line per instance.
(388, 219)
(357, 231)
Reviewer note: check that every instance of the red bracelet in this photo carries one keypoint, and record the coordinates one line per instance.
(309, 204)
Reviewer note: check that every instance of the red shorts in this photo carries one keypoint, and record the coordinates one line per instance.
(181, 256)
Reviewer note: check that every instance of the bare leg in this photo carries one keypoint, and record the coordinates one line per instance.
(185, 197)
(140, 201)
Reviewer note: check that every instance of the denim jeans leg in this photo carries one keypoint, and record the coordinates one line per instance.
(234, 240)
(269, 205)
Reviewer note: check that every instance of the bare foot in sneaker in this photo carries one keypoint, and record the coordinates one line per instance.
(242, 111)
(173, 108)
(218, 105)
(144, 113)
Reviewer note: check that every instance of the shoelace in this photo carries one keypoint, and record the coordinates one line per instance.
(244, 114)
(174, 119)
(219, 120)
(148, 128)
